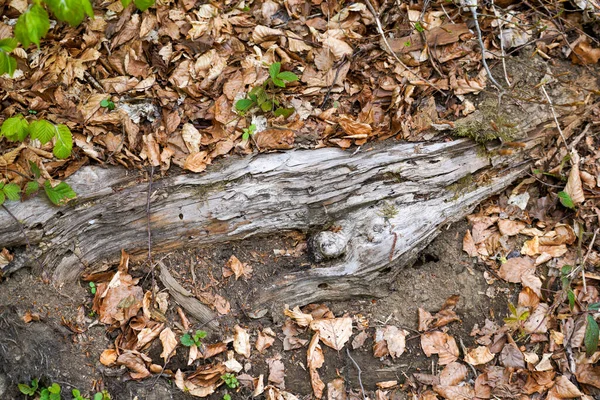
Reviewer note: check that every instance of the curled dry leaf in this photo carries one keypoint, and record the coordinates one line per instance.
(479, 355)
(241, 341)
(263, 342)
(563, 389)
(334, 332)
(314, 360)
(237, 268)
(298, 316)
(191, 136)
(440, 343)
(232, 365)
(574, 187)
(276, 371)
(135, 362)
(108, 357)
(336, 390)
(359, 340)
(538, 320)
(395, 340)
(469, 246)
(453, 374)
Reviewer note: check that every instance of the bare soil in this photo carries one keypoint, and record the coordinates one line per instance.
(47, 349)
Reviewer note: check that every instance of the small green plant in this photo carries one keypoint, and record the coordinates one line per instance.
(17, 128)
(77, 395)
(51, 393)
(226, 396)
(517, 317)
(102, 396)
(263, 96)
(27, 389)
(566, 200)
(107, 103)
(230, 380)
(249, 131)
(195, 340)
(92, 287)
(419, 27)
(9, 191)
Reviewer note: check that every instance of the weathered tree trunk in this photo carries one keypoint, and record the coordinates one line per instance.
(389, 200)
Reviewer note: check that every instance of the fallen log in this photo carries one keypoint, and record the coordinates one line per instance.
(389, 201)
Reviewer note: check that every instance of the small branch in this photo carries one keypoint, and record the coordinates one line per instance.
(554, 116)
(362, 388)
(502, 47)
(473, 7)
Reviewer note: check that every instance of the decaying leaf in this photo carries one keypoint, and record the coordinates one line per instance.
(169, 343)
(479, 355)
(334, 332)
(442, 344)
(298, 316)
(237, 268)
(241, 341)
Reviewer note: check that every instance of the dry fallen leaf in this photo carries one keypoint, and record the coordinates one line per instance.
(263, 342)
(108, 357)
(440, 343)
(479, 355)
(334, 332)
(169, 343)
(314, 361)
(276, 371)
(241, 341)
(298, 316)
(237, 268)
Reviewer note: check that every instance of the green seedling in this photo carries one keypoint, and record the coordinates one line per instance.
(27, 389)
(263, 96)
(566, 200)
(195, 340)
(249, 131)
(51, 393)
(517, 317)
(92, 287)
(226, 396)
(77, 395)
(230, 380)
(107, 103)
(102, 396)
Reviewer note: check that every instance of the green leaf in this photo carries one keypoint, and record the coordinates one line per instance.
(25, 389)
(55, 388)
(243, 104)
(200, 335)
(60, 194)
(266, 106)
(31, 187)
(8, 64)
(186, 340)
(15, 128)
(566, 200)
(288, 76)
(125, 3)
(143, 5)
(278, 82)
(35, 169)
(55, 396)
(246, 135)
(64, 142)
(274, 70)
(2, 198)
(286, 112)
(98, 396)
(594, 306)
(76, 392)
(8, 44)
(42, 130)
(591, 336)
(104, 103)
(226, 396)
(419, 27)
(32, 25)
(71, 11)
(12, 191)
(571, 297)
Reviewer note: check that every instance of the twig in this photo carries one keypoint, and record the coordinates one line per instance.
(148, 225)
(464, 350)
(472, 5)
(391, 51)
(555, 117)
(585, 260)
(502, 46)
(362, 388)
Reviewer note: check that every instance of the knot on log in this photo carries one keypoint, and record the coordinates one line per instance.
(328, 245)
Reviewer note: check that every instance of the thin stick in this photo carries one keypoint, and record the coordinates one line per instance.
(585, 260)
(389, 48)
(555, 117)
(148, 225)
(473, 7)
(362, 388)
(502, 47)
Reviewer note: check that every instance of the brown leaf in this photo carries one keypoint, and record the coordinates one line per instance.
(334, 332)
(514, 268)
(192, 137)
(108, 357)
(425, 320)
(169, 343)
(510, 228)
(469, 245)
(336, 390)
(212, 350)
(241, 341)
(119, 300)
(453, 374)
(353, 127)
(134, 361)
(574, 187)
(263, 342)
(314, 360)
(298, 316)
(395, 339)
(511, 357)
(359, 340)
(563, 389)
(221, 304)
(237, 268)
(275, 139)
(276, 372)
(196, 162)
(455, 392)
(588, 374)
(538, 320)
(440, 343)
(584, 53)
(479, 355)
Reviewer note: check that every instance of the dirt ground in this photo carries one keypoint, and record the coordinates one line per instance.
(47, 349)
